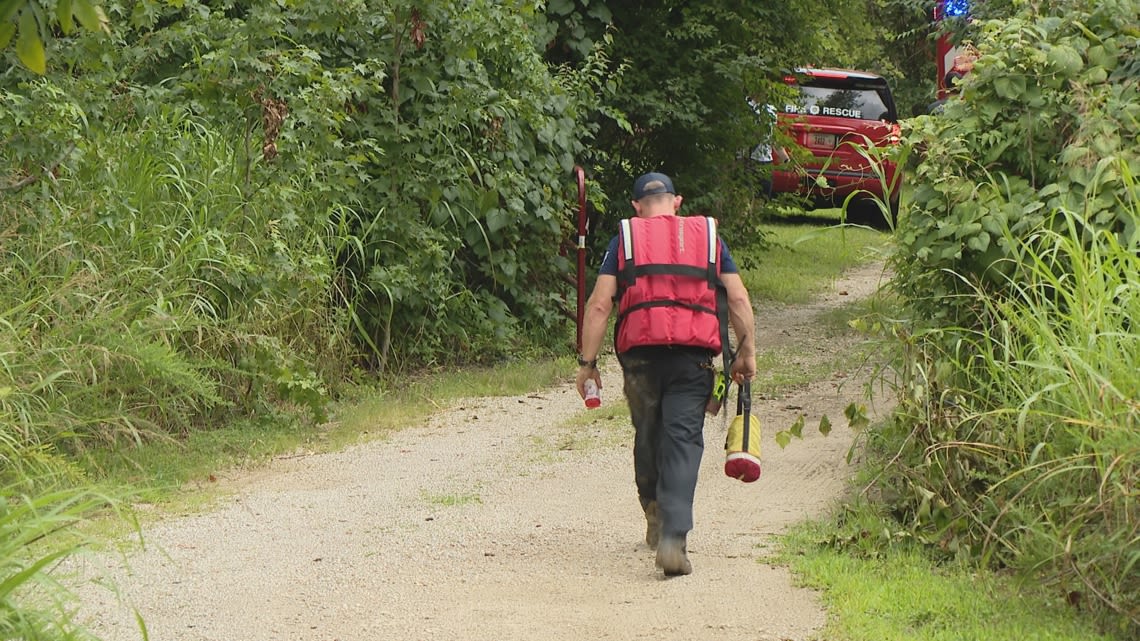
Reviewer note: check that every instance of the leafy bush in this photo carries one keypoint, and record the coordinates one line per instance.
(433, 139)
(271, 198)
(1019, 445)
(1039, 127)
(1016, 439)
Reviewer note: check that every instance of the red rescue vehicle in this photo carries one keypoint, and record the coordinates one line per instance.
(836, 115)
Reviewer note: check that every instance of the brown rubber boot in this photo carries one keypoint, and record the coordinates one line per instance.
(652, 525)
(672, 557)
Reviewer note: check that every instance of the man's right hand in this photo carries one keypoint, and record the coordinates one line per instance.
(586, 373)
(743, 368)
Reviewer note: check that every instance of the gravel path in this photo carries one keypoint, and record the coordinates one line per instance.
(499, 519)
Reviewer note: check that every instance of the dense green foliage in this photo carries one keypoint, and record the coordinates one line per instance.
(268, 198)
(1017, 440)
(899, 593)
(1041, 127)
(157, 297)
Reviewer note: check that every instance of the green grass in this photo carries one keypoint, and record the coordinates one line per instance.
(897, 594)
(162, 470)
(1030, 463)
(370, 412)
(40, 526)
(805, 258)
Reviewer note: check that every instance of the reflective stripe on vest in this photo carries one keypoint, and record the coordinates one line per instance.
(668, 272)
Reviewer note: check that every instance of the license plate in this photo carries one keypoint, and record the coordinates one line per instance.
(821, 140)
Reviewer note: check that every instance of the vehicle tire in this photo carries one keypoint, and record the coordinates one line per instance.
(869, 212)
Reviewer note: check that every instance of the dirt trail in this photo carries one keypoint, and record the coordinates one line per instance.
(500, 519)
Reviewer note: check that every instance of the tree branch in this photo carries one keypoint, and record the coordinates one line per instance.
(31, 178)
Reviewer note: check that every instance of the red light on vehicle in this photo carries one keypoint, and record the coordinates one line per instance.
(828, 74)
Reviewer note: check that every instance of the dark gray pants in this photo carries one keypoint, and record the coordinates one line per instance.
(667, 389)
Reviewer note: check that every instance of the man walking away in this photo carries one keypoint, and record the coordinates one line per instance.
(671, 277)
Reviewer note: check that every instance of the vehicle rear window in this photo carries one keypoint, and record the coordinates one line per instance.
(840, 102)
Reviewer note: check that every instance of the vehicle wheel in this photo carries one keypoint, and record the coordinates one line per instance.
(869, 211)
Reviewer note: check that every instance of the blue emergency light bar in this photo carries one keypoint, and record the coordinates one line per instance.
(957, 8)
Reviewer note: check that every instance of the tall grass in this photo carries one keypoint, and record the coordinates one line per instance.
(155, 290)
(1022, 442)
(150, 291)
(1070, 399)
(37, 532)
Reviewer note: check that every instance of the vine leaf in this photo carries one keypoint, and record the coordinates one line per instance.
(824, 425)
(783, 437)
(29, 46)
(7, 30)
(91, 16)
(64, 13)
(797, 428)
(857, 416)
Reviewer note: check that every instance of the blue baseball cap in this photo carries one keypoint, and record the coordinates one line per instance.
(651, 184)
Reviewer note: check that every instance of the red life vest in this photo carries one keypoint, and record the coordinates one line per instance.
(668, 275)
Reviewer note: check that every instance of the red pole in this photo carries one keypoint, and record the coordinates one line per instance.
(581, 253)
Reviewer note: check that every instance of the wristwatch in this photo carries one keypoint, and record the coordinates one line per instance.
(585, 363)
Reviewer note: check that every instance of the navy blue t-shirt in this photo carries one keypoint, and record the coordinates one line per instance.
(610, 260)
